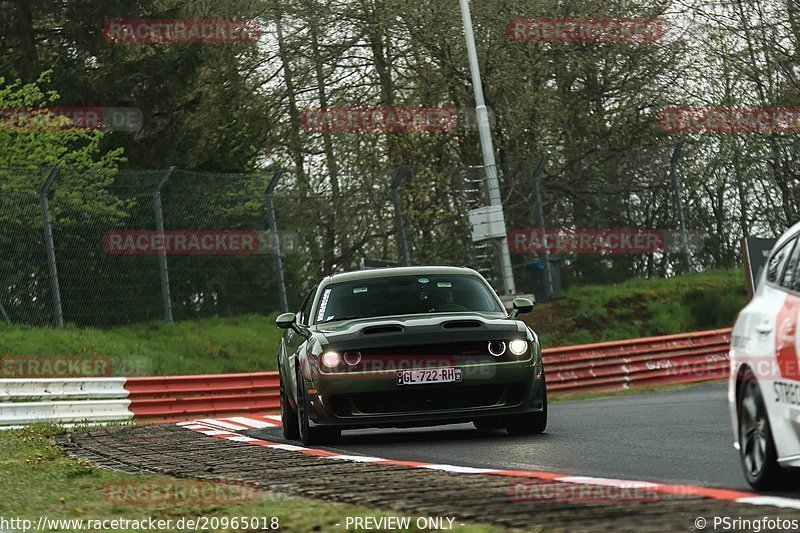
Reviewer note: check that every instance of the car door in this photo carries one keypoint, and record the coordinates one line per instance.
(770, 324)
(785, 395)
(295, 338)
(754, 336)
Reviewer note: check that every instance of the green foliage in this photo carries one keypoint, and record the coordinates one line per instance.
(709, 308)
(641, 308)
(667, 317)
(206, 346)
(49, 141)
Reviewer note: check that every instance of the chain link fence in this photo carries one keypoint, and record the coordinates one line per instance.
(102, 249)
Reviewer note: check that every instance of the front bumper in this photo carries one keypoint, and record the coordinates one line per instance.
(373, 399)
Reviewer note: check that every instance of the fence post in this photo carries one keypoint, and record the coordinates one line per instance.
(676, 183)
(3, 312)
(537, 194)
(162, 250)
(400, 175)
(275, 240)
(58, 316)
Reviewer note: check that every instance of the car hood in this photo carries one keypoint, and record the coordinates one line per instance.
(419, 329)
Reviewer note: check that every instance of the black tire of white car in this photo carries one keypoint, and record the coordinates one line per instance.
(756, 446)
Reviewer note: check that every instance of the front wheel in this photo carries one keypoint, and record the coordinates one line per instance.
(527, 424)
(488, 424)
(291, 429)
(311, 435)
(756, 446)
(530, 423)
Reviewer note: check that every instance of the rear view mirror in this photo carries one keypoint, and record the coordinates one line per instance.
(521, 306)
(285, 320)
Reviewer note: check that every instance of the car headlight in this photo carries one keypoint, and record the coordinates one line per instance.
(352, 358)
(518, 346)
(331, 359)
(497, 348)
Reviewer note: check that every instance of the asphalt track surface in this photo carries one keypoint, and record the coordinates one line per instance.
(680, 436)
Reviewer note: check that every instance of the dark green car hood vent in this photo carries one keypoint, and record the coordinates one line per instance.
(413, 329)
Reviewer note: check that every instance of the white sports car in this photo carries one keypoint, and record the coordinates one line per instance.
(764, 385)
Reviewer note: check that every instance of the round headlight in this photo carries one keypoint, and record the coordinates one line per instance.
(518, 346)
(497, 348)
(352, 358)
(331, 359)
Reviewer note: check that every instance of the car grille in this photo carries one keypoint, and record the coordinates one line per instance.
(432, 350)
(428, 398)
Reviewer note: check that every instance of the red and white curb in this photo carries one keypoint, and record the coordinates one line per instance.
(229, 428)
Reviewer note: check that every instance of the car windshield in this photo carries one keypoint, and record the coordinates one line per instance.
(405, 295)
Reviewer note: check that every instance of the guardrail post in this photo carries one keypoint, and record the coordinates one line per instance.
(163, 267)
(58, 316)
(275, 239)
(401, 174)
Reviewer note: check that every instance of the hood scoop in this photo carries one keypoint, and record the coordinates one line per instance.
(461, 324)
(375, 330)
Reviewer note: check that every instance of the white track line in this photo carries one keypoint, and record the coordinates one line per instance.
(250, 422)
(692, 490)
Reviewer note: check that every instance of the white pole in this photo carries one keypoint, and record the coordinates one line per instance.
(485, 132)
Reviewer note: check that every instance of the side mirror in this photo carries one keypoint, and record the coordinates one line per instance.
(521, 306)
(285, 320)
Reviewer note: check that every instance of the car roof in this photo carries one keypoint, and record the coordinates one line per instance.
(378, 273)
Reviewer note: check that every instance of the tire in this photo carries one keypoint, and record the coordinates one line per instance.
(756, 447)
(311, 435)
(529, 423)
(289, 421)
(488, 424)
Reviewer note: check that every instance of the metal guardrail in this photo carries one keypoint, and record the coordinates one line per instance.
(27, 401)
(184, 396)
(610, 366)
(620, 365)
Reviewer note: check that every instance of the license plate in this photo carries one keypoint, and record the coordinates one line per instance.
(428, 375)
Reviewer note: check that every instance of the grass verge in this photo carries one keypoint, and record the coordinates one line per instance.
(641, 308)
(38, 480)
(207, 346)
